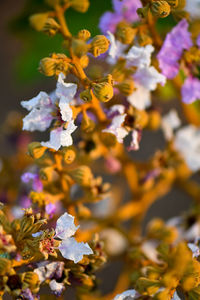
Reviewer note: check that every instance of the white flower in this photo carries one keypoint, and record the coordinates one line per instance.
(69, 247)
(195, 249)
(116, 49)
(127, 295)
(187, 141)
(140, 98)
(56, 287)
(39, 117)
(140, 56)
(193, 7)
(47, 270)
(65, 110)
(117, 108)
(115, 243)
(117, 129)
(134, 145)
(60, 137)
(64, 90)
(170, 122)
(176, 297)
(149, 77)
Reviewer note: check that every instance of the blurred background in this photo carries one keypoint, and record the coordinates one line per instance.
(21, 50)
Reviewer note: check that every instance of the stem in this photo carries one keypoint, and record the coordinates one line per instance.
(61, 18)
(152, 26)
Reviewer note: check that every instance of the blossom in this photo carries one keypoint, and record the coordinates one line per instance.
(34, 179)
(69, 247)
(176, 297)
(140, 98)
(149, 77)
(170, 122)
(195, 249)
(193, 7)
(136, 137)
(48, 270)
(190, 90)
(129, 294)
(61, 137)
(175, 42)
(187, 141)
(57, 287)
(116, 49)
(123, 10)
(140, 56)
(117, 129)
(43, 110)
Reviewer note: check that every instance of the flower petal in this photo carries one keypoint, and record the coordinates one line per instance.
(65, 226)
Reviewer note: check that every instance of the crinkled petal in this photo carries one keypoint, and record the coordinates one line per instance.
(116, 49)
(117, 129)
(41, 100)
(65, 226)
(65, 90)
(71, 249)
(65, 110)
(170, 122)
(57, 287)
(127, 9)
(149, 78)
(109, 21)
(140, 56)
(191, 90)
(140, 98)
(38, 119)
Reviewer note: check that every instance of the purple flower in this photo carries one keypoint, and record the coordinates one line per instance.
(123, 10)
(34, 179)
(191, 90)
(176, 41)
(50, 209)
(198, 41)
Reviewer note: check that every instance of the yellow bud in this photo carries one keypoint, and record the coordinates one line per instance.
(30, 278)
(83, 211)
(35, 150)
(173, 3)
(160, 8)
(46, 173)
(80, 5)
(86, 95)
(84, 61)
(125, 34)
(118, 71)
(82, 175)
(38, 21)
(54, 65)
(5, 266)
(103, 91)
(108, 139)
(108, 78)
(69, 156)
(84, 34)
(154, 120)
(52, 3)
(143, 11)
(141, 118)
(189, 283)
(126, 87)
(79, 47)
(51, 27)
(99, 45)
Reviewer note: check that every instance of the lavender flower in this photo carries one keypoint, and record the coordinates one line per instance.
(176, 41)
(123, 10)
(191, 90)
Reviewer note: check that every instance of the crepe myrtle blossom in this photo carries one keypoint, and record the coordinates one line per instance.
(140, 98)
(116, 49)
(140, 56)
(170, 122)
(127, 295)
(149, 78)
(69, 247)
(34, 179)
(44, 108)
(193, 7)
(178, 40)
(190, 90)
(187, 141)
(123, 10)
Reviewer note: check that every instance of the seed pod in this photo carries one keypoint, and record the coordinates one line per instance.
(160, 8)
(173, 3)
(82, 175)
(126, 87)
(38, 21)
(103, 91)
(35, 150)
(86, 95)
(51, 27)
(99, 45)
(125, 34)
(84, 34)
(80, 5)
(79, 47)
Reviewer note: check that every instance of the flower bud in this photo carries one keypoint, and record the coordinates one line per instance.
(69, 156)
(125, 34)
(80, 5)
(82, 175)
(51, 27)
(5, 265)
(35, 150)
(46, 173)
(38, 21)
(79, 47)
(143, 11)
(52, 3)
(103, 91)
(54, 65)
(108, 139)
(99, 45)
(84, 61)
(108, 78)
(160, 8)
(84, 34)
(86, 95)
(126, 87)
(31, 279)
(118, 71)
(173, 3)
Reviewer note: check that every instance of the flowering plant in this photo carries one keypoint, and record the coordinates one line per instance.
(61, 218)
